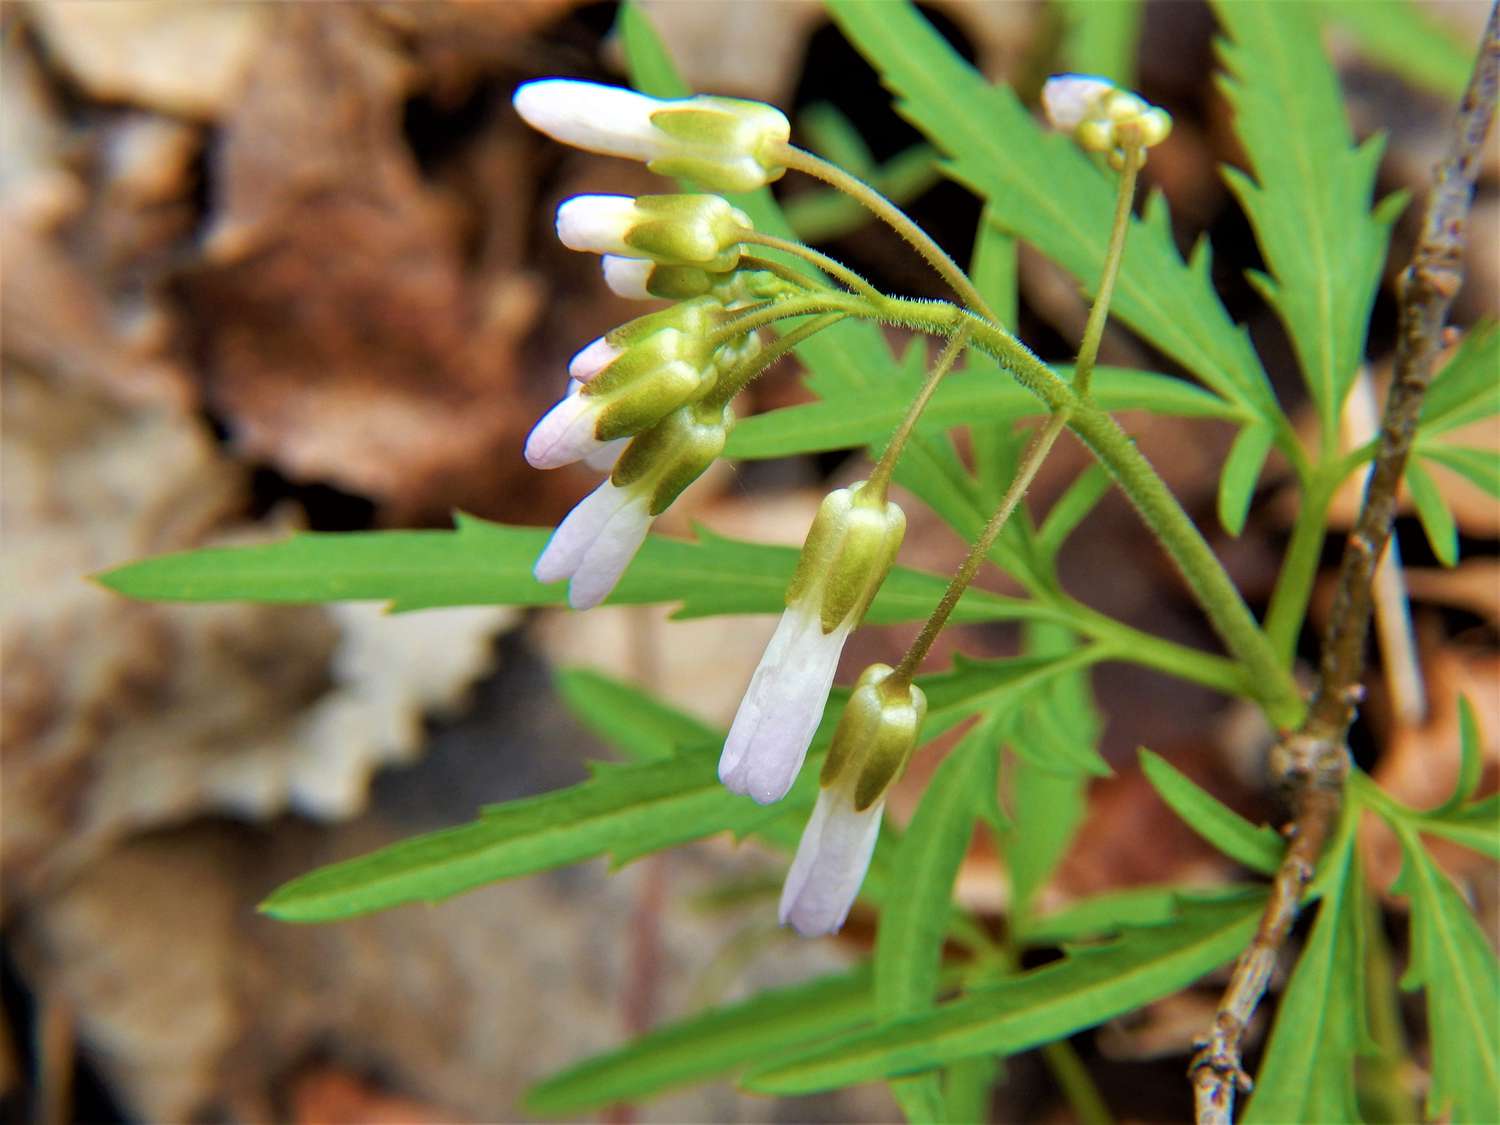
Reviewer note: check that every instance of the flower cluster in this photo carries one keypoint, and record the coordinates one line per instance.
(1102, 117)
(650, 404)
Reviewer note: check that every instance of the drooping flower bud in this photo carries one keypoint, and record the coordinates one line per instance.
(631, 379)
(598, 538)
(724, 144)
(640, 279)
(1101, 117)
(848, 553)
(875, 737)
(675, 230)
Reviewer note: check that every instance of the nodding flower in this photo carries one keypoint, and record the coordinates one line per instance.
(848, 553)
(875, 738)
(674, 230)
(724, 144)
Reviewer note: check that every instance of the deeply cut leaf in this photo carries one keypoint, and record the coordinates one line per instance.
(1257, 847)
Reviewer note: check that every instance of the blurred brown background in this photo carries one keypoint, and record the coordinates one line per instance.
(269, 267)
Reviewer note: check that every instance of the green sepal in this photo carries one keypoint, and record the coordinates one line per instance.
(672, 454)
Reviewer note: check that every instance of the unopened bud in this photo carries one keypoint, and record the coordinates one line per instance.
(1102, 117)
(665, 459)
(876, 734)
(695, 230)
(724, 144)
(848, 553)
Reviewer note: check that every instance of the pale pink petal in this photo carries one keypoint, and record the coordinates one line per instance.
(831, 862)
(587, 115)
(627, 277)
(565, 434)
(1069, 99)
(616, 543)
(596, 224)
(565, 551)
(594, 358)
(782, 707)
(607, 456)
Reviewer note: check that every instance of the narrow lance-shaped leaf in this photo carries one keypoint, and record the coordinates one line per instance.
(1090, 985)
(1453, 963)
(1055, 198)
(1470, 760)
(1307, 1073)
(637, 724)
(1466, 389)
(706, 1046)
(1481, 467)
(1258, 848)
(624, 810)
(1247, 456)
(490, 564)
(1309, 201)
(1432, 510)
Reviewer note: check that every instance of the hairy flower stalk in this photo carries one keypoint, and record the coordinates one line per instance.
(848, 553)
(871, 746)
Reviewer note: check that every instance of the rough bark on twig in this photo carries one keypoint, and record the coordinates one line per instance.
(1313, 761)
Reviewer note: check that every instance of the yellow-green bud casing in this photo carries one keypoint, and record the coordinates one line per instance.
(673, 453)
(848, 552)
(699, 230)
(725, 142)
(876, 735)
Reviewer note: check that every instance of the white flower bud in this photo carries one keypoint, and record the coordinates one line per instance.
(1101, 117)
(675, 230)
(832, 858)
(1070, 99)
(725, 144)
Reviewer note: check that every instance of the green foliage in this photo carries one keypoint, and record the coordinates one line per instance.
(716, 1043)
(1404, 37)
(1309, 201)
(1101, 38)
(1452, 961)
(1045, 190)
(623, 810)
(483, 563)
(1088, 986)
(1307, 1073)
(634, 722)
(1247, 456)
(1432, 510)
(1258, 848)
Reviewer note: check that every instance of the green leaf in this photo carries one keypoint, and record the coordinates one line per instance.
(966, 1089)
(1470, 760)
(1307, 1073)
(709, 1045)
(1309, 201)
(1257, 847)
(977, 686)
(1466, 389)
(846, 422)
(920, 1097)
(490, 564)
(1101, 38)
(995, 271)
(652, 70)
(1432, 510)
(1481, 467)
(913, 925)
(1452, 961)
(624, 810)
(1090, 985)
(1400, 35)
(1247, 456)
(640, 726)
(1073, 507)
(1476, 826)
(1051, 195)
(1109, 913)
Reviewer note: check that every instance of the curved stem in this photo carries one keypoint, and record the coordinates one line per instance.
(769, 313)
(1088, 351)
(753, 262)
(1299, 567)
(823, 261)
(1210, 585)
(895, 218)
(880, 477)
(1026, 472)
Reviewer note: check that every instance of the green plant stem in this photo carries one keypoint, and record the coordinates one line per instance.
(1026, 471)
(880, 477)
(736, 381)
(783, 271)
(1076, 1083)
(824, 262)
(1299, 567)
(1125, 642)
(770, 312)
(887, 212)
(1272, 681)
(1088, 351)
